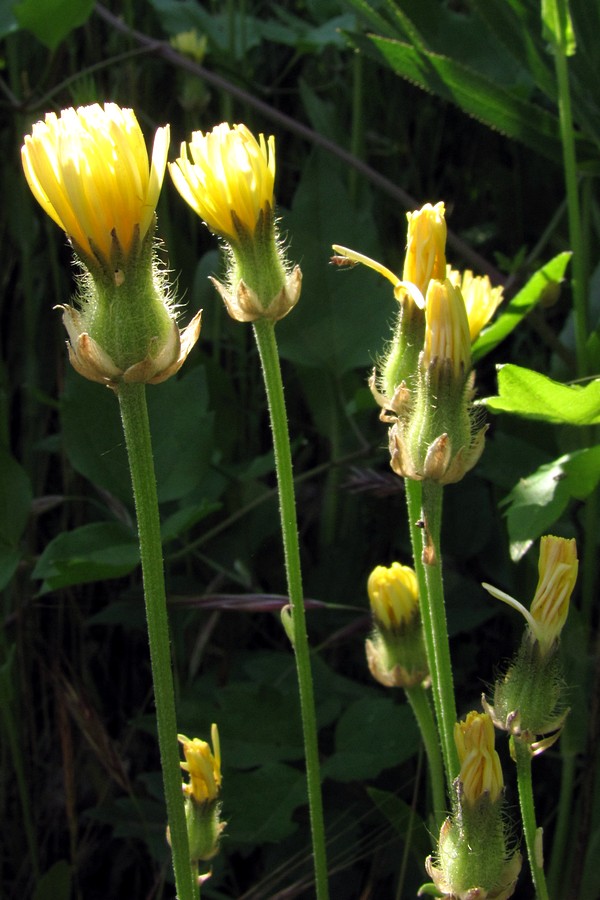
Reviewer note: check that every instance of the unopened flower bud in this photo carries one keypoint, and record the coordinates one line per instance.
(473, 858)
(426, 246)
(396, 650)
(434, 436)
(528, 700)
(480, 769)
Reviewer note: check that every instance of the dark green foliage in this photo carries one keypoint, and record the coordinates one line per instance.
(79, 780)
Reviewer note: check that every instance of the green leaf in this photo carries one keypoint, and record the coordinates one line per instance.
(260, 804)
(95, 445)
(524, 392)
(476, 95)
(90, 553)
(367, 740)
(511, 24)
(181, 521)
(544, 280)
(538, 501)
(52, 20)
(342, 319)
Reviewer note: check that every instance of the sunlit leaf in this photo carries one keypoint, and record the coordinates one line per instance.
(538, 501)
(528, 297)
(524, 392)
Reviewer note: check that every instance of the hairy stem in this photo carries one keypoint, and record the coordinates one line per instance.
(264, 331)
(134, 416)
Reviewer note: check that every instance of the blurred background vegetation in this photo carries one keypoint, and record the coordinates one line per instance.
(452, 100)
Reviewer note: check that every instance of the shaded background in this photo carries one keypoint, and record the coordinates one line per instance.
(358, 143)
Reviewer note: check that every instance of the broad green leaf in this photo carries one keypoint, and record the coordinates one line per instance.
(52, 20)
(260, 804)
(367, 740)
(181, 434)
(342, 319)
(476, 95)
(524, 392)
(511, 24)
(182, 520)
(91, 553)
(538, 501)
(522, 303)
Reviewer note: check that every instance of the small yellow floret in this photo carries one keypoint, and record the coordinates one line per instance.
(203, 766)
(89, 171)
(481, 299)
(227, 178)
(480, 769)
(393, 594)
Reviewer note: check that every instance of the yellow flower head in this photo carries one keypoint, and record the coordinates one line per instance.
(557, 570)
(203, 765)
(89, 171)
(393, 594)
(480, 769)
(229, 179)
(446, 328)
(481, 299)
(426, 246)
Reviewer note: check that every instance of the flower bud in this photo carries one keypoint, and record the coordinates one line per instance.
(426, 246)
(528, 698)
(227, 177)
(202, 809)
(472, 858)
(433, 436)
(89, 170)
(396, 650)
(480, 769)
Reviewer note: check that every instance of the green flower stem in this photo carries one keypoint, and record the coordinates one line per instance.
(134, 415)
(425, 507)
(523, 758)
(419, 701)
(264, 331)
